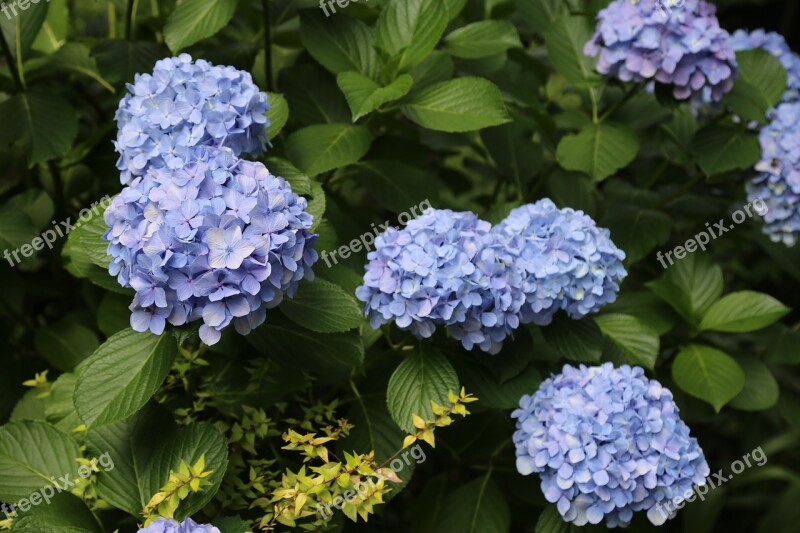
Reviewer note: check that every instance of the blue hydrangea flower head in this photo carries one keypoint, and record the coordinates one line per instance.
(777, 183)
(676, 43)
(167, 525)
(186, 103)
(607, 442)
(775, 44)
(424, 275)
(219, 239)
(566, 261)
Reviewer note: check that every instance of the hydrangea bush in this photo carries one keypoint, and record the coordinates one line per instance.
(418, 265)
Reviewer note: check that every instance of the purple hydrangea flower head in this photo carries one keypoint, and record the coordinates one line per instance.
(567, 262)
(607, 442)
(219, 239)
(165, 525)
(676, 43)
(776, 187)
(186, 103)
(775, 44)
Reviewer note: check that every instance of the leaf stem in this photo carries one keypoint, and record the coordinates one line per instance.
(130, 20)
(12, 65)
(624, 100)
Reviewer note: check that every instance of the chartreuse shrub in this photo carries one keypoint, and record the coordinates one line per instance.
(584, 285)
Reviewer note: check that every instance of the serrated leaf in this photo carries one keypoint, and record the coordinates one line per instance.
(708, 374)
(64, 513)
(575, 340)
(690, 286)
(462, 104)
(339, 44)
(599, 150)
(476, 507)
(424, 376)
(300, 183)
(365, 96)
(75, 57)
(312, 95)
(743, 311)
(66, 343)
(760, 84)
(195, 20)
(482, 39)
(408, 31)
(323, 307)
(397, 186)
(513, 152)
(278, 114)
(721, 149)
(119, 61)
(565, 39)
(43, 122)
(121, 376)
(638, 342)
(760, 390)
(323, 147)
(30, 453)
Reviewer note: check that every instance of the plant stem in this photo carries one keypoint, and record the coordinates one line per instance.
(267, 45)
(12, 66)
(130, 20)
(624, 100)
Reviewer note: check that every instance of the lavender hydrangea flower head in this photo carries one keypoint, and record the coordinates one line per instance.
(777, 184)
(567, 262)
(167, 525)
(424, 275)
(682, 46)
(219, 239)
(775, 44)
(186, 103)
(607, 442)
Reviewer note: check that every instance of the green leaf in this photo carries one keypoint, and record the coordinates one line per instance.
(313, 96)
(599, 150)
(744, 311)
(119, 60)
(476, 507)
(691, 286)
(783, 347)
(43, 122)
(637, 231)
(760, 85)
(638, 342)
(340, 44)
(708, 374)
(397, 186)
(194, 20)
(64, 513)
(278, 114)
(721, 149)
(435, 68)
(30, 453)
(142, 463)
(29, 407)
(74, 57)
(323, 147)
(575, 340)
(462, 104)
(541, 14)
(66, 343)
(323, 307)
(565, 39)
(408, 31)
(59, 408)
(20, 30)
(424, 376)
(513, 152)
(330, 357)
(365, 96)
(301, 184)
(55, 28)
(16, 229)
(760, 390)
(122, 375)
(482, 39)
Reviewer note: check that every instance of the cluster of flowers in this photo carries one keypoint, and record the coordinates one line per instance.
(185, 104)
(684, 48)
(606, 442)
(167, 525)
(455, 270)
(203, 234)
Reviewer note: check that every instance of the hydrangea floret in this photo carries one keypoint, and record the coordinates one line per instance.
(168, 525)
(186, 103)
(607, 442)
(683, 47)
